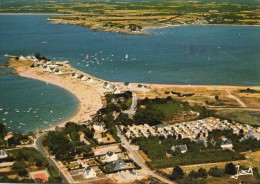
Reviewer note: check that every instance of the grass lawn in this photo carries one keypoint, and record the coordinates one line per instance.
(196, 158)
(242, 116)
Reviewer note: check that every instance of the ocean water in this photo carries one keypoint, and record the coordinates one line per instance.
(216, 55)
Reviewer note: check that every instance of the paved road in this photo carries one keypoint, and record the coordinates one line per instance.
(139, 160)
(132, 109)
(38, 144)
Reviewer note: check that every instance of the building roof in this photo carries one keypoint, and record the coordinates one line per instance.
(87, 170)
(126, 83)
(3, 154)
(110, 153)
(183, 148)
(226, 142)
(40, 174)
(118, 164)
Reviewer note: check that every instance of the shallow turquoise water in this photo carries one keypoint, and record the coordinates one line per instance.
(217, 55)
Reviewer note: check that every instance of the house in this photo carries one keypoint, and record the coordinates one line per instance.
(118, 164)
(108, 85)
(227, 144)
(57, 71)
(82, 163)
(113, 101)
(126, 84)
(80, 77)
(250, 136)
(88, 172)
(83, 139)
(117, 91)
(183, 148)
(8, 136)
(99, 126)
(22, 58)
(201, 141)
(3, 154)
(74, 75)
(89, 79)
(141, 86)
(84, 78)
(110, 156)
(43, 175)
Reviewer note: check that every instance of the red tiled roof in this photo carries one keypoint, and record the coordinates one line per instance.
(41, 176)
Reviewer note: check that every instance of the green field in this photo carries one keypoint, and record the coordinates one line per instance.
(134, 16)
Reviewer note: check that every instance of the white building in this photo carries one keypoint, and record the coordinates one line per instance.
(226, 144)
(82, 163)
(110, 156)
(99, 127)
(3, 154)
(88, 172)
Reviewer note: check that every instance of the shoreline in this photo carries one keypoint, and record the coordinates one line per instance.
(94, 27)
(89, 95)
(33, 14)
(89, 99)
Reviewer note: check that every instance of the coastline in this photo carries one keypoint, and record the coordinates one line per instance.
(32, 14)
(144, 30)
(89, 95)
(89, 99)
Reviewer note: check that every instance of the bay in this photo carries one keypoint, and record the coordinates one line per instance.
(203, 55)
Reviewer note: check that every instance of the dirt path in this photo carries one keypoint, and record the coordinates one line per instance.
(242, 104)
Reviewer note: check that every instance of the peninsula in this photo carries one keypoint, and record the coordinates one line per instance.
(228, 101)
(133, 17)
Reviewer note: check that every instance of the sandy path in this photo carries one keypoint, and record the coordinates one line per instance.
(235, 98)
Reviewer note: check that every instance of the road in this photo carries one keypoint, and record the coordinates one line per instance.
(132, 109)
(139, 160)
(233, 108)
(38, 144)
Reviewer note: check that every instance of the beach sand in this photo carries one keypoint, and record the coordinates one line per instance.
(89, 94)
(88, 97)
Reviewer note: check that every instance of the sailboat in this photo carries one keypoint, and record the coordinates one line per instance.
(126, 56)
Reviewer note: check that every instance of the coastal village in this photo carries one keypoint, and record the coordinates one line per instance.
(100, 151)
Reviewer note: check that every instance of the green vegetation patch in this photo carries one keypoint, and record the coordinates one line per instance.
(197, 158)
(252, 118)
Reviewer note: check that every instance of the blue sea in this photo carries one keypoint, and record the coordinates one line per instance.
(216, 55)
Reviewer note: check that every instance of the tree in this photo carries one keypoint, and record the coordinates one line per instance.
(22, 172)
(193, 174)
(177, 173)
(202, 173)
(54, 179)
(216, 172)
(230, 168)
(125, 130)
(19, 165)
(216, 97)
(2, 129)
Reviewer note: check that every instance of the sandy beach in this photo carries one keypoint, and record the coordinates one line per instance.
(88, 97)
(89, 94)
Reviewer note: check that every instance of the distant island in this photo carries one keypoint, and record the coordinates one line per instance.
(134, 17)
